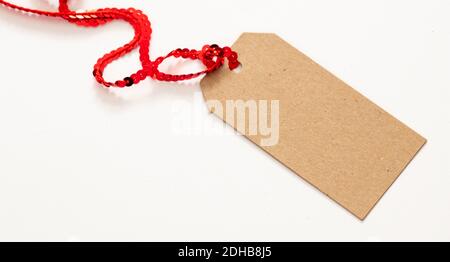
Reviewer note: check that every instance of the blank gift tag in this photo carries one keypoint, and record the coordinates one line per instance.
(312, 122)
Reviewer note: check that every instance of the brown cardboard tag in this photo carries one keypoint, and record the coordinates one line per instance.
(329, 134)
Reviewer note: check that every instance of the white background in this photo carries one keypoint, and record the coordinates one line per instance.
(80, 163)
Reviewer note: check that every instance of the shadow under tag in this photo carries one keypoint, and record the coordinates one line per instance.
(329, 134)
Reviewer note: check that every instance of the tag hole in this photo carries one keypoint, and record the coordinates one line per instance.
(238, 69)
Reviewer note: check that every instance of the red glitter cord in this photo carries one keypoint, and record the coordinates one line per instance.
(212, 56)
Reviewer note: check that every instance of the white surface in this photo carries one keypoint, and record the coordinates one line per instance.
(80, 163)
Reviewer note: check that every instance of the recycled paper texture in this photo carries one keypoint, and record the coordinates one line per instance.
(329, 134)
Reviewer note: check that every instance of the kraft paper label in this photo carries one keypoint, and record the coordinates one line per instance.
(312, 122)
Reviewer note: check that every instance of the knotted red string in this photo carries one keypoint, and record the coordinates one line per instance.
(212, 56)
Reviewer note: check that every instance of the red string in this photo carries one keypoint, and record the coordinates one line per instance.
(212, 56)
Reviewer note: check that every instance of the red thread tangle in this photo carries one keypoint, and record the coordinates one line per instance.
(212, 56)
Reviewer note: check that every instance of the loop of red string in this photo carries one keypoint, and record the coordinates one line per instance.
(212, 56)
